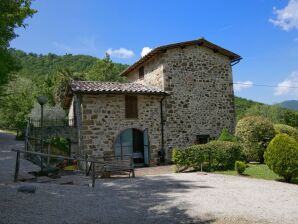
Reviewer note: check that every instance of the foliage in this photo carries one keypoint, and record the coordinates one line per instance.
(242, 105)
(286, 129)
(225, 135)
(240, 167)
(17, 103)
(254, 133)
(216, 154)
(281, 156)
(223, 154)
(48, 75)
(60, 143)
(12, 15)
(106, 70)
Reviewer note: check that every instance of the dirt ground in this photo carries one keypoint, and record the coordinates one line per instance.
(155, 196)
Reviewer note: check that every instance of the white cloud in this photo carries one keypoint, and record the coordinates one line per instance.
(120, 53)
(288, 86)
(287, 18)
(238, 86)
(145, 51)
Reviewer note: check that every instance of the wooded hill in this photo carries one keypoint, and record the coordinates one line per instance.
(48, 75)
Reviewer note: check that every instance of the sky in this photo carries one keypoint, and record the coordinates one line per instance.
(263, 32)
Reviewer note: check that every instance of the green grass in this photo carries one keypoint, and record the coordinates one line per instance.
(257, 171)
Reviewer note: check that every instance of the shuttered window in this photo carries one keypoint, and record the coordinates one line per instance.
(141, 72)
(131, 106)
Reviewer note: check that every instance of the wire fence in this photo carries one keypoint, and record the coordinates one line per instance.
(52, 123)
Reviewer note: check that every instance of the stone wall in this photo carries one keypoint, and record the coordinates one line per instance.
(103, 119)
(201, 100)
(153, 74)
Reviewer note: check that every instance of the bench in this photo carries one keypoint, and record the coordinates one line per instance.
(119, 165)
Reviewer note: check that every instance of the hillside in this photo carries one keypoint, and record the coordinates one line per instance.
(289, 104)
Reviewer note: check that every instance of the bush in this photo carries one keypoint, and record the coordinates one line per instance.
(217, 155)
(240, 167)
(281, 156)
(223, 154)
(254, 133)
(286, 129)
(225, 135)
(190, 157)
(60, 143)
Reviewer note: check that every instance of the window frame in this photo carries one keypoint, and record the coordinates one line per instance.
(141, 72)
(131, 107)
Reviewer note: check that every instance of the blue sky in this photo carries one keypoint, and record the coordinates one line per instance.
(263, 32)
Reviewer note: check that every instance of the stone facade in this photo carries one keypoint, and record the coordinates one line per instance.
(201, 99)
(103, 119)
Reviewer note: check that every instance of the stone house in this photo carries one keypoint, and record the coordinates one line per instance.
(175, 96)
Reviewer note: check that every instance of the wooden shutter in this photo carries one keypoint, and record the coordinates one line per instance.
(141, 72)
(131, 106)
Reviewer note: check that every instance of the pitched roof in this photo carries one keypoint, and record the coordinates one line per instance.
(96, 87)
(200, 42)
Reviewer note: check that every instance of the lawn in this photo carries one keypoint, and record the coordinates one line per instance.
(257, 171)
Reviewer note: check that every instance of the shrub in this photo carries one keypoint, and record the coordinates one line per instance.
(60, 143)
(286, 129)
(217, 154)
(254, 133)
(281, 156)
(190, 157)
(225, 135)
(223, 154)
(240, 167)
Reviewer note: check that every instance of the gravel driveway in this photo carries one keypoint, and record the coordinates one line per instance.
(168, 198)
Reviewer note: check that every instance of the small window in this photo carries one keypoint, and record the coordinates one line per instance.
(202, 139)
(141, 72)
(131, 107)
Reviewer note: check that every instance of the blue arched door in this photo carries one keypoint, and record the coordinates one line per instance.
(133, 142)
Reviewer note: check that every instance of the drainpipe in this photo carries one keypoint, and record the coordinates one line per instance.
(162, 151)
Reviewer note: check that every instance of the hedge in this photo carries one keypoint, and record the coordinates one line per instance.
(215, 155)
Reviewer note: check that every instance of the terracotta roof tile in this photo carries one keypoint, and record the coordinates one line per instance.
(94, 87)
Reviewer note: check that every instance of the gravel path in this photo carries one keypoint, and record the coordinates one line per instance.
(168, 198)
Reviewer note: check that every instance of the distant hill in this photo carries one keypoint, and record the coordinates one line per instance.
(289, 104)
(242, 105)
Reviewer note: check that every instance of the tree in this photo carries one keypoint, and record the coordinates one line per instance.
(12, 15)
(254, 133)
(281, 156)
(106, 70)
(17, 103)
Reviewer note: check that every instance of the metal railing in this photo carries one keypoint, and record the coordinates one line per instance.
(52, 122)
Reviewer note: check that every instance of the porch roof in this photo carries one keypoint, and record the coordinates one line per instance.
(113, 87)
(97, 87)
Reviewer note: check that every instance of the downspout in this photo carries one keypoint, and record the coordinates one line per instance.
(162, 150)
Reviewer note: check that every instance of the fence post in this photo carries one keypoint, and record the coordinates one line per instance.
(17, 167)
(93, 174)
(86, 165)
(49, 152)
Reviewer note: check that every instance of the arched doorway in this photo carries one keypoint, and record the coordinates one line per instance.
(133, 142)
